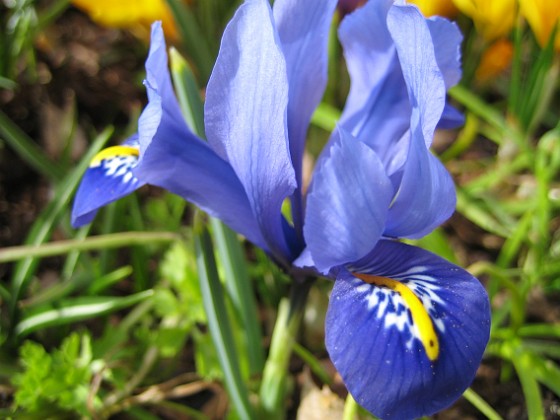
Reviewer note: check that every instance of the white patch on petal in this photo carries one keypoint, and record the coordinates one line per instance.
(390, 307)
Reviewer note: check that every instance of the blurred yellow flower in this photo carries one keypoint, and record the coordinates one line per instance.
(495, 60)
(436, 7)
(136, 15)
(492, 18)
(542, 15)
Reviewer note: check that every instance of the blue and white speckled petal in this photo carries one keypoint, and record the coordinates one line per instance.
(406, 330)
(109, 177)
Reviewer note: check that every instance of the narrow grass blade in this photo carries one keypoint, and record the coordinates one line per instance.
(540, 330)
(546, 372)
(112, 240)
(7, 84)
(530, 387)
(187, 92)
(478, 107)
(481, 405)
(240, 291)
(109, 279)
(28, 150)
(195, 44)
(42, 228)
(464, 140)
(218, 322)
(473, 210)
(513, 243)
(522, 361)
(77, 309)
(313, 363)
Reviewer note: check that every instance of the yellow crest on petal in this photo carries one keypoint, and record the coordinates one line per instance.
(424, 327)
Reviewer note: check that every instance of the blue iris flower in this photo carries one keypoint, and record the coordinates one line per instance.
(405, 328)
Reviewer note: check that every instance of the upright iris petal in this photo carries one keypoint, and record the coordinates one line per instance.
(396, 100)
(344, 220)
(303, 29)
(249, 77)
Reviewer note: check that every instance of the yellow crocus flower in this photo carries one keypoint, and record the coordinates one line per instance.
(136, 15)
(492, 18)
(542, 16)
(436, 7)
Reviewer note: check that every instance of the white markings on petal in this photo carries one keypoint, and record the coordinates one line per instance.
(407, 302)
(117, 162)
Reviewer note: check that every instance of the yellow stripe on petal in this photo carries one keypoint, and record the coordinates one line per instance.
(112, 152)
(420, 317)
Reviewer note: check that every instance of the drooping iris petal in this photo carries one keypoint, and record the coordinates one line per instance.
(346, 204)
(173, 158)
(108, 178)
(426, 195)
(408, 336)
(303, 28)
(245, 116)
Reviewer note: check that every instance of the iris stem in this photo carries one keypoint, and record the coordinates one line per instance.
(350, 408)
(276, 370)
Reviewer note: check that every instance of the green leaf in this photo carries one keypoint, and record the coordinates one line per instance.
(58, 382)
(188, 92)
(540, 330)
(77, 309)
(481, 405)
(179, 269)
(478, 213)
(43, 226)
(325, 116)
(28, 150)
(240, 291)
(196, 45)
(437, 243)
(218, 322)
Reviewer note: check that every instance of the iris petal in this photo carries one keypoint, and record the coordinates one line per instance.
(108, 178)
(377, 110)
(447, 39)
(379, 341)
(303, 28)
(172, 157)
(426, 195)
(246, 116)
(424, 80)
(451, 118)
(347, 203)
